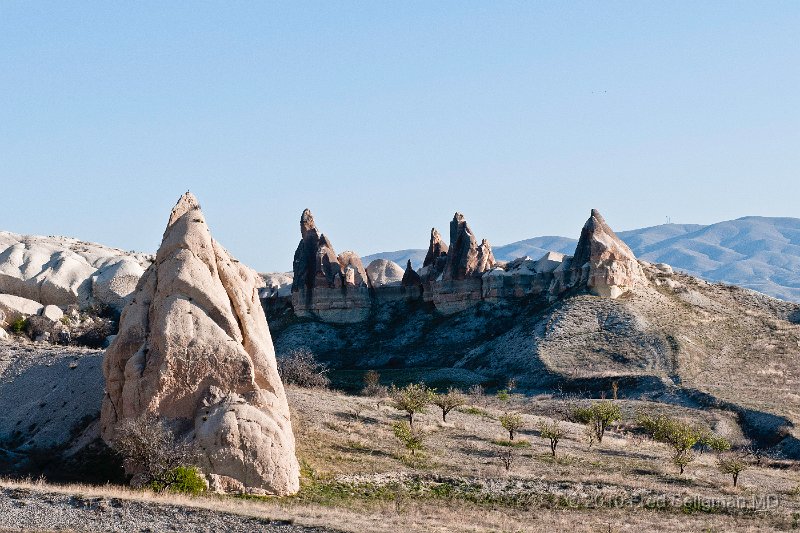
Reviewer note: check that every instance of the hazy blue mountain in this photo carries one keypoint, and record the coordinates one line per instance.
(760, 253)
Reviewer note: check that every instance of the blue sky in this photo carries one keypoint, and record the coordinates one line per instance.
(386, 117)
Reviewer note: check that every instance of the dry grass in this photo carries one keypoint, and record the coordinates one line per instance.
(356, 477)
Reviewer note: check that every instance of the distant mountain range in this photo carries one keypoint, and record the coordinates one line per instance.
(760, 253)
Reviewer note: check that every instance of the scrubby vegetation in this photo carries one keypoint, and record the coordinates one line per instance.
(155, 459)
(301, 368)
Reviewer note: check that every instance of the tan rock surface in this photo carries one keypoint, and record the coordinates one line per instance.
(194, 348)
(603, 262)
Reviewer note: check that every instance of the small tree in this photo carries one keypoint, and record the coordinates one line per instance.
(512, 422)
(732, 464)
(408, 436)
(506, 458)
(413, 398)
(155, 458)
(301, 368)
(681, 436)
(553, 431)
(598, 417)
(449, 401)
(614, 389)
(718, 444)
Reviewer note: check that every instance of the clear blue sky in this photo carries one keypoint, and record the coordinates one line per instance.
(386, 117)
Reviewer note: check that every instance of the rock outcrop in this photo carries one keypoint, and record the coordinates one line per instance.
(352, 270)
(63, 272)
(15, 307)
(410, 277)
(194, 348)
(459, 285)
(603, 263)
(333, 288)
(435, 260)
(384, 272)
(436, 249)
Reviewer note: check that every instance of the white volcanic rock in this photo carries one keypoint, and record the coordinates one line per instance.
(603, 262)
(61, 271)
(194, 348)
(52, 313)
(276, 284)
(549, 262)
(112, 285)
(384, 272)
(15, 307)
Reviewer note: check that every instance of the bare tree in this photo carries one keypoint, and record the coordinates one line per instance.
(152, 454)
(506, 457)
(301, 368)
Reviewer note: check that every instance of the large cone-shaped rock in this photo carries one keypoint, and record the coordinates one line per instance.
(464, 259)
(603, 263)
(194, 348)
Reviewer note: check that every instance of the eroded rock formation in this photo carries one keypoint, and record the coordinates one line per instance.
(333, 288)
(384, 272)
(194, 348)
(603, 263)
(63, 272)
(410, 277)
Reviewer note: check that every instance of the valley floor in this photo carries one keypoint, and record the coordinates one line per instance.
(355, 477)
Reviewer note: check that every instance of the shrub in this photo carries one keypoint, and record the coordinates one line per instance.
(301, 368)
(372, 384)
(152, 454)
(731, 464)
(503, 395)
(553, 431)
(413, 398)
(450, 400)
(185, 479)
(718, 444)
(512, 422)
(19, 325)
(408, 436)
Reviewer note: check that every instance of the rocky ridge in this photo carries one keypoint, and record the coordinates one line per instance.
(62, 271)
(457, 276)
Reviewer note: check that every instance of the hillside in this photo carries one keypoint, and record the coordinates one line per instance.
(760, 253)
(681, 341)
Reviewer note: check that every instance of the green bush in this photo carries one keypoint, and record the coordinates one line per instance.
(406, 434)
(19, 325)
(184, 479)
